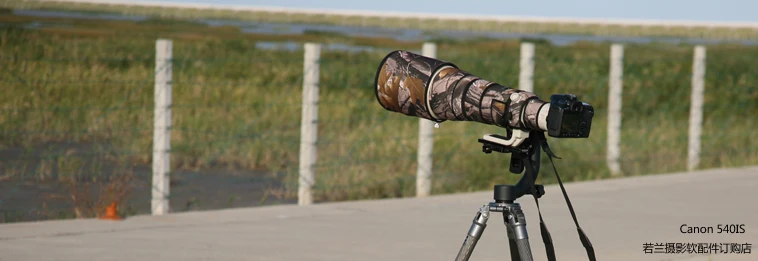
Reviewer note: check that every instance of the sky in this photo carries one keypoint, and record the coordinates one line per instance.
(697, 10)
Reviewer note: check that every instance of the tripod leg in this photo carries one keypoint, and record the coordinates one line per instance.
(518, 240)
(512, 241)
(474, 233)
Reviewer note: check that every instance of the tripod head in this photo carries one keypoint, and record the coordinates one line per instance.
(525, 157)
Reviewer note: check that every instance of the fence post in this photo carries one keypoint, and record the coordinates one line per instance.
(696, 108)
(162, 127)
(615, 83)
(309, 123)
(425, 142)
(526, 66)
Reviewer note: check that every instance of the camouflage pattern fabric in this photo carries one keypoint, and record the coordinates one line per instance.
(402, 80)
(472, 100)
(532, 108)
(442, 92)
(458, 92)
(405, 78)
(518, 110)
(494, 104)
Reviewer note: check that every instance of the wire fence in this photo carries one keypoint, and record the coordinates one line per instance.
(77, 122)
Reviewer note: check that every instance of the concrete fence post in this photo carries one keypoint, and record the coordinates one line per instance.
(309, 124)
(425, 142)
(162, 128)
(526, 67)
(696, 108)
(615, 84)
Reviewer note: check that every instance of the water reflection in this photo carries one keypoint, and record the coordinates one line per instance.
(78, 15)
(295, 46)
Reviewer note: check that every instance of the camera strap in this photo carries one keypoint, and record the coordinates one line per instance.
(546, 238)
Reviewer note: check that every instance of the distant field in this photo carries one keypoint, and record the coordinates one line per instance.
(89, 82)
(529, 27)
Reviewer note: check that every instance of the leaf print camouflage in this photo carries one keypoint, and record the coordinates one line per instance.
(433, 89)
(402, 80)
(441, 100)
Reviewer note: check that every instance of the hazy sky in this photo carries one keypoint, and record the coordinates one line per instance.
(701, 10)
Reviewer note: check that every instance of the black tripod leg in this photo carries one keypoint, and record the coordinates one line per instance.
(474, 233)
(518, 240)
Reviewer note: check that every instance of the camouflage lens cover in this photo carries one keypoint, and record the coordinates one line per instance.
(442, 92)
(436, 90)
(472, 100)
(402, 81)
(494, 103)
(531, 111)
(459, 89)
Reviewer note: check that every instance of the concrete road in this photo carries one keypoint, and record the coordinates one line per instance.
(618, 215)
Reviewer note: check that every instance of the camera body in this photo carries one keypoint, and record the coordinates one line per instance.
(568, 117)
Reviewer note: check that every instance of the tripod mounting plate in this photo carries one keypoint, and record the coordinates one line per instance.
(497, 143)
(517, 137)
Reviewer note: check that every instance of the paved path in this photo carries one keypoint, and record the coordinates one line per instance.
(618, 215)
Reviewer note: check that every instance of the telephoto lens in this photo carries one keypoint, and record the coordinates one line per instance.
(437, 90)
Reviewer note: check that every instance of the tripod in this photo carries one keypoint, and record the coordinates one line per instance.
(525, 156)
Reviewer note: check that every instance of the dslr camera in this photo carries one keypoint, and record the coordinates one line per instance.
(569, 117)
